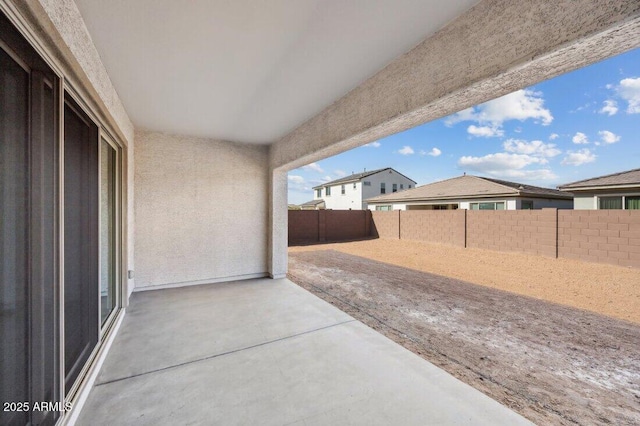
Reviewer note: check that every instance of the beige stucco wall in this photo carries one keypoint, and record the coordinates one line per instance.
(201, 210)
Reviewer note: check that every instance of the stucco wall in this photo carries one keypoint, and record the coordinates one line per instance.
(584, 202)
(201, 210)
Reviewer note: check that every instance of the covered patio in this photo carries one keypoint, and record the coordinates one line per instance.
(268, 352)
(150, 142)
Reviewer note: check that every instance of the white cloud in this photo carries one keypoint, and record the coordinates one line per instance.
(295, 179)
(298, 184)
(468, 114)
(435, 152)
(373, 144)
(520, 105)
(580, 139)
(553, 136)
(406, 150)
(495, 163)
(313, 166)
(577, 158)
(485, 131)
(340, 173)
(507, 165)
(535, 148)
(629, 90)
(608, 137)
(610, 107)
(527, 175)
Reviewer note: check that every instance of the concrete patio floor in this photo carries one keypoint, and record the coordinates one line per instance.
(268, 352)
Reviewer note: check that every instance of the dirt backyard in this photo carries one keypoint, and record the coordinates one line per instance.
(553, 363)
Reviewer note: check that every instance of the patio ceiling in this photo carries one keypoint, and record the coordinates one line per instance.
(245, 70)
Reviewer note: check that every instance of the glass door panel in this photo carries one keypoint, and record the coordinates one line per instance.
(81, 240)
(108, 229)
(14, 217)
(29, 348)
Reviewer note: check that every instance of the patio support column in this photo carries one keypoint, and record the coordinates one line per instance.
(278, 223)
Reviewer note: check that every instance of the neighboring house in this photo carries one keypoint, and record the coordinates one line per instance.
(313, 205)
(619, 191)
(350, 192)
(473, 193)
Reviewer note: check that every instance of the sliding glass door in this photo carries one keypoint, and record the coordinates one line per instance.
(59, 235)
(29, 332)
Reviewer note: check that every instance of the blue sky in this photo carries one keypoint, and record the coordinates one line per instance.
(579, 125)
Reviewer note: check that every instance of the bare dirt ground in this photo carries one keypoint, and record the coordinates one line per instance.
(554, 364)
(606, 289)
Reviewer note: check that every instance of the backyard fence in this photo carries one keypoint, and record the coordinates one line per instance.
(606, 236)
(318, 226)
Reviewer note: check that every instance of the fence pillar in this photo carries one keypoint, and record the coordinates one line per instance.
(367, 223)
(322, 229)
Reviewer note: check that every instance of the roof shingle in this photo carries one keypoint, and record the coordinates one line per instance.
(469, 186)
(629, 177)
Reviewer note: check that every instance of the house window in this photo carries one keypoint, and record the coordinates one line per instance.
(366, 183)
(527, 205)
(354, 185)
(440, 207)
(383, 208)
(343, 189)
(328, 191)
(632, 203)
(401, 186)
(617, 203)
(487, 206)
(319, 192)
(610, 203)
(409, 186)
(394, 187)
(383, 189)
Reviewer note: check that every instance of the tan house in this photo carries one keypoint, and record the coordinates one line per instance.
(313, 205)
(617, 191)
(473, 193)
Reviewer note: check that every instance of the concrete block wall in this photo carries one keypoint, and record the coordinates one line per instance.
(306, 227)
(438, 226)
(607, 236)
(604, 236)
(346, 224)
(385, 224)
(526, 231)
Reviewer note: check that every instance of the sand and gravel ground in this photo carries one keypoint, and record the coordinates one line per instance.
(555, 340)
(606, 289)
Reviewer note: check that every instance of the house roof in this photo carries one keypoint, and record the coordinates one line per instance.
(357, 177)
(312, 203)
(469, 186)
(620, 179)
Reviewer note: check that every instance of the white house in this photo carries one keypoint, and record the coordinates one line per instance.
(473, 193)
(617, 191)
(350, 192)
